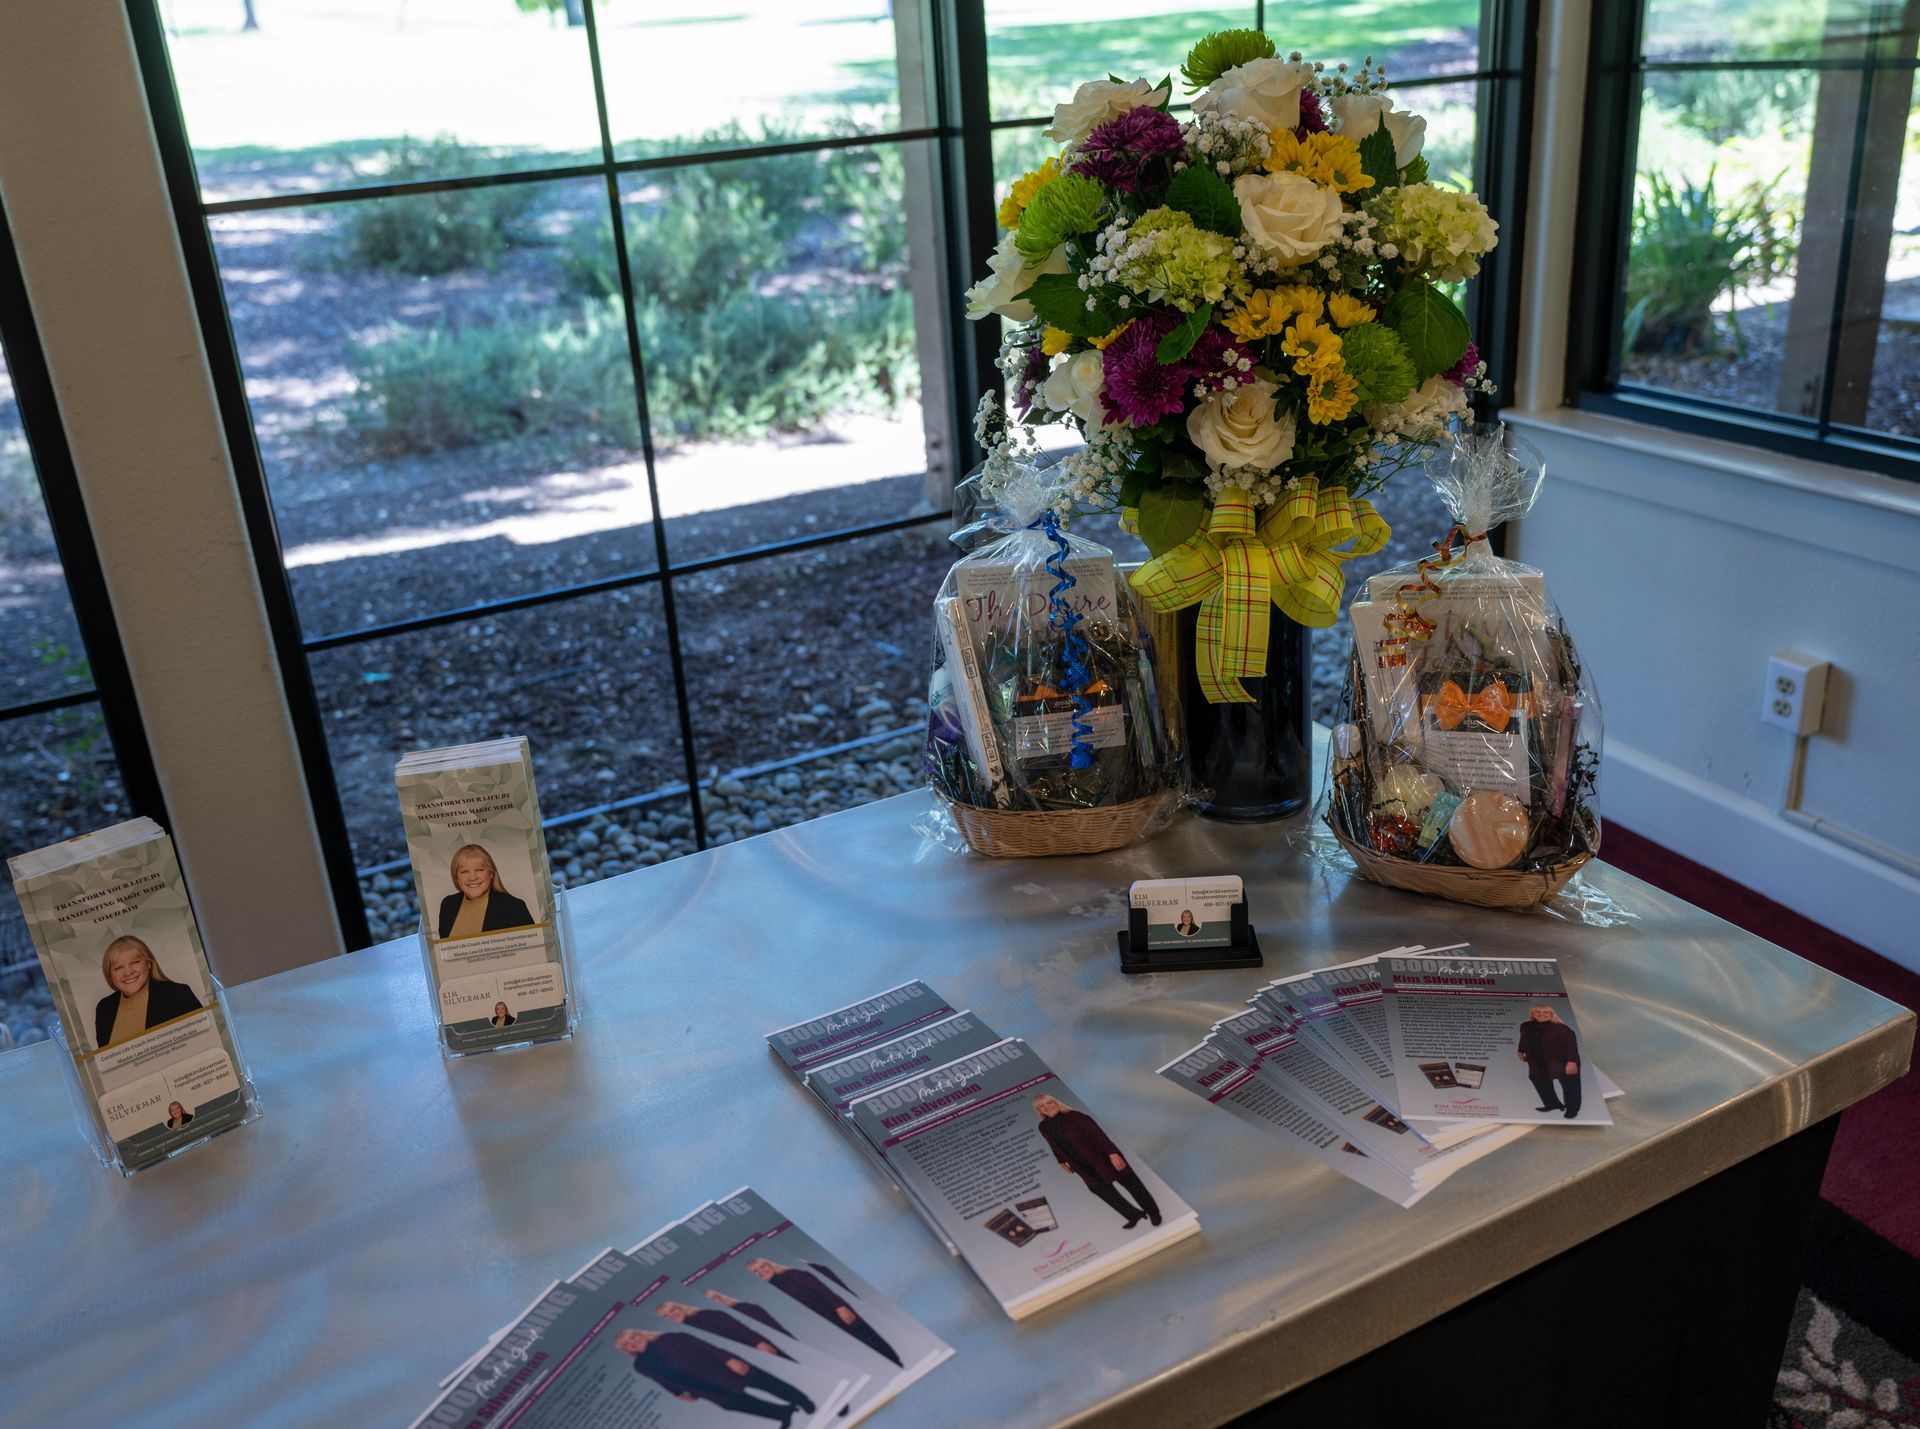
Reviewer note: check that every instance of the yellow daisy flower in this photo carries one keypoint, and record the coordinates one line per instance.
(1301, 301)
(1100, 343)
(1330, 395)
(1024, 188)
(1313, 345)
(1349, 312)
(1263, 314)
(1055, 341)
(1330, 160)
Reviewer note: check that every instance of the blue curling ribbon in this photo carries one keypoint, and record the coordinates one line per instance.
(1064, 618)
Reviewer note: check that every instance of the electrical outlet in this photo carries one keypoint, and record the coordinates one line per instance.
(1796, 692)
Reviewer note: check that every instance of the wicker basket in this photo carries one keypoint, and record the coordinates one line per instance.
(1488, 888)
(1003, 833)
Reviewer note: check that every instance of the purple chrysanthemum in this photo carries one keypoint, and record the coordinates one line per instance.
(1312, 121)
(1132, 150)
(1468, 364)
(1033, 372)
(1138, 390)
(1206, 363)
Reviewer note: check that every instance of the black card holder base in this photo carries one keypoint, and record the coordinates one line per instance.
(1136, 957)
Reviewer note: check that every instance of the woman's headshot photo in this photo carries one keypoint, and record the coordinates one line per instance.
(479, 902)
(177, 1116)
(140, 995)
(1186, 927)
(501, 1017)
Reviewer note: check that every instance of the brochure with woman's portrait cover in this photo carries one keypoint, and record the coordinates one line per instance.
(984, 1134)
(123, 959)
(480, 868)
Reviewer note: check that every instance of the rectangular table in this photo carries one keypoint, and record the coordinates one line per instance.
(329, 1262)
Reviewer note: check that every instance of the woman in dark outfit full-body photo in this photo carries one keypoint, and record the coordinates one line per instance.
(1080, 1146)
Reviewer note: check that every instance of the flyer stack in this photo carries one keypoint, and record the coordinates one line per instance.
(1400, 1069)
(152, 1052)
(729, 1316)
(987, 1142)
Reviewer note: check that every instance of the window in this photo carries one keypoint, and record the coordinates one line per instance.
(72, 757)
(1749, 260)
(597, 371)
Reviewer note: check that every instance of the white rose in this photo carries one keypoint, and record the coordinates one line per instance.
(1267, 91)
(1009, 276)
(1074, 386)
(1288, 215)
(1424, 414)
(1241, 428)
(1097, 101)
(1359, 115)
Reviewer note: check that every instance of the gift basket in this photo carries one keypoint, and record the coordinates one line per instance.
(1044, 728)
(1467, 759)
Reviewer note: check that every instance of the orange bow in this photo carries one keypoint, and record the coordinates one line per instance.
(1492, 706)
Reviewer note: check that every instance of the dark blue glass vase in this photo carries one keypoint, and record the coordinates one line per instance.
(1253, 762)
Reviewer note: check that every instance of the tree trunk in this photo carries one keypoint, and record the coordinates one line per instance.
(252, 21)
(576, 12)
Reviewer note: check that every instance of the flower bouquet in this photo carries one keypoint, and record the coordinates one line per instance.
(1245, 315)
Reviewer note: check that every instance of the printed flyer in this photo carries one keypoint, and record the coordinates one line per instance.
(1487, 1039)
(123, 960)
(833, 1036)
(480, 868)
(985, 1136)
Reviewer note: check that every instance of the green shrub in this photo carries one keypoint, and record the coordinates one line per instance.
(1691, 247)
(742, 368)
(697, 242)
(439, 232)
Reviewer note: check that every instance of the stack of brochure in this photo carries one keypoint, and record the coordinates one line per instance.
(486, 894)
(156, 1062)
(989, 1145)
(730, 1316)
(1399, 1069)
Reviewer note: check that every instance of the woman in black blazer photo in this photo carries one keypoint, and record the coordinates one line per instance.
(141, 996)
(479, 902)
(501, 1017)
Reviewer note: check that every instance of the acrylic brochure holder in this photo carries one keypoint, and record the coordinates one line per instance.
(1136, 957)
(156, 1147)
(557, 1028)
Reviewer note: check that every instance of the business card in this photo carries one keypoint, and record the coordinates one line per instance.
(1188, 912)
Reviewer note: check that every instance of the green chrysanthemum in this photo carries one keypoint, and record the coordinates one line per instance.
(1070, 204)
(1221, 51)
(1378, 361)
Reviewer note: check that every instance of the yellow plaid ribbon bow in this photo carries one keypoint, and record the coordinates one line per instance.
(1235, 568)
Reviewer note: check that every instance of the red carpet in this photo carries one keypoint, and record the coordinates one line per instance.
(1876, 1156)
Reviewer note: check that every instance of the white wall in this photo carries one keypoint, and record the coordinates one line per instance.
(1681, 564)
(81, 179)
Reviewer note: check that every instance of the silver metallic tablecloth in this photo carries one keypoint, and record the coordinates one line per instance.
(328, 1263)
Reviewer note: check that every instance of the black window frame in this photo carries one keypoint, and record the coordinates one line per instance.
(959, 135)
(1616, 71)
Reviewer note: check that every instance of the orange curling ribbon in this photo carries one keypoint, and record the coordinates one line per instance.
(1492, 706)
(1410, 624)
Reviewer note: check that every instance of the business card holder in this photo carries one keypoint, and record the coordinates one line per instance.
(1137, 957)
(155, 1146)
(553, 1025)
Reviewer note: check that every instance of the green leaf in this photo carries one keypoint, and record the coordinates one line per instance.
(1416, 172)
(1376, 157)
(1180, 465)
(1207, 199)
(1434, 331)
(1171, 513)
(1059, 301)
(1133, 487)
(1178, 343)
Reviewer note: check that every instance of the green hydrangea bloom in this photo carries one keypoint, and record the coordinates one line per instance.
(1167, 259)
(1221, 51)
(1438, 232)
(1378, 362)
(1057, 211)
